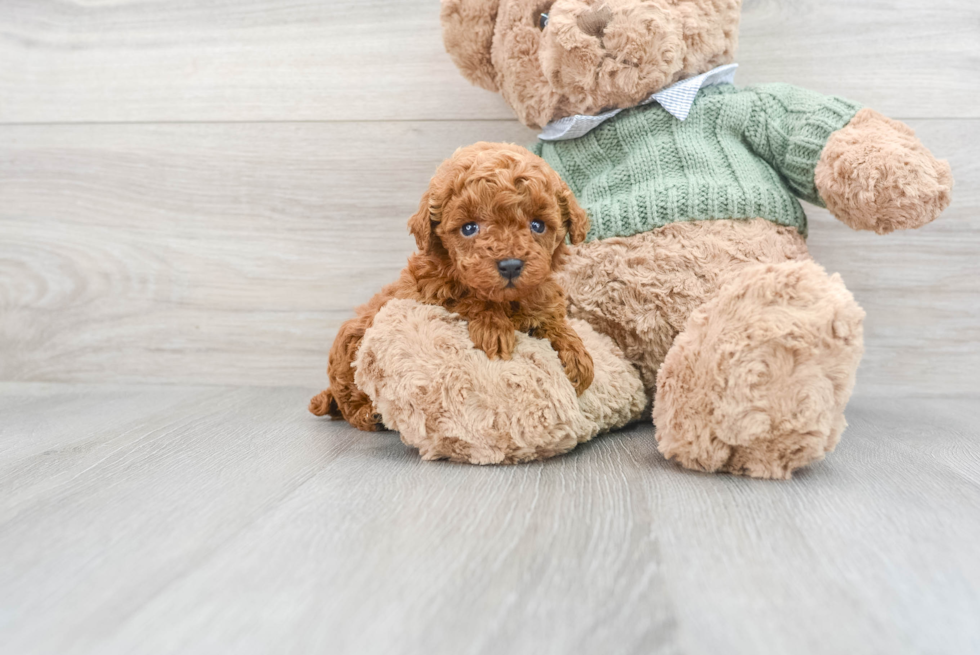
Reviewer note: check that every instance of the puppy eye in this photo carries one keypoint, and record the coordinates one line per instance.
(538, 226)
(469, 229)
(542, 20)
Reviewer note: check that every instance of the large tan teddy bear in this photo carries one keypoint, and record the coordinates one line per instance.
(696, 264)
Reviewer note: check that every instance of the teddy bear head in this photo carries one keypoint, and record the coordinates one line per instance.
(555, 58)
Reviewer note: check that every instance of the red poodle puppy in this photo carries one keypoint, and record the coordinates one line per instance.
(490, 230)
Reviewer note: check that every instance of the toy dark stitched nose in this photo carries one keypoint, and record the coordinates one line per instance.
(510, 268)
(594, 22)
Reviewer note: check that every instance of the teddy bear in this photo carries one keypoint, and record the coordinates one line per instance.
(696, 264)
(693, 292)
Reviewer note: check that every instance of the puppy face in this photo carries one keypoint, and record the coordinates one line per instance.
(497, 217)
(556, 58)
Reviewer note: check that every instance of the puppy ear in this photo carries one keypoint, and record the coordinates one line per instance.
(573, 216)
(420, 225)
(467, 32)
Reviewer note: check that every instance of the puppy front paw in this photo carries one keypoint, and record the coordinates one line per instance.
(496, 338)
(874, 174)
(578, 367)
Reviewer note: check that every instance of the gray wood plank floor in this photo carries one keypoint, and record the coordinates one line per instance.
(211, 519)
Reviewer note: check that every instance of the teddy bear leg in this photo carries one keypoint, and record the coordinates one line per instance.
(757, 382)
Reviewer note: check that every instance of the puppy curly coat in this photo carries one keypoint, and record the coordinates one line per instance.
(490, 230)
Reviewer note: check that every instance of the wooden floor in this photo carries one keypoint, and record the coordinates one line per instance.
(210, 520)
(194, 194)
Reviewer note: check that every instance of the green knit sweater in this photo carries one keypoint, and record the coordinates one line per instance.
(741, 153)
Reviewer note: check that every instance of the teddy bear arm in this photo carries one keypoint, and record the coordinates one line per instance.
(788, 126)
(875, 174)
(449, 401)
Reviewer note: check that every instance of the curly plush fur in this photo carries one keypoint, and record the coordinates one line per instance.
(451, 402)
(749, 346)
(758, 380)
(641, 290)
(501, 189)
(874, 174)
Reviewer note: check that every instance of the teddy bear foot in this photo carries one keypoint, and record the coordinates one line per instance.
(757, 382)
(874, 174)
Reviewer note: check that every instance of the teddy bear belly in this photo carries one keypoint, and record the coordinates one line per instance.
(641, 289)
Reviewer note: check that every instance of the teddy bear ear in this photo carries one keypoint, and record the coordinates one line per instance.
(467, 32)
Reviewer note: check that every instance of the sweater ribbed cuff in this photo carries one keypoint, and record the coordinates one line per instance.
(805, 148)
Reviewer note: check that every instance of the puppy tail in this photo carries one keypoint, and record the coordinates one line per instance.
(324, 403)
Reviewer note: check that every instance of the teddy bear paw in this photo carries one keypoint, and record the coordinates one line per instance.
(874, 174)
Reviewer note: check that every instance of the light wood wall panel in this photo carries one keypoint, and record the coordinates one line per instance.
(267, 60)
(230, 253)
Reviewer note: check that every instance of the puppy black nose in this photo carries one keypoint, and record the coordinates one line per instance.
(510, 268)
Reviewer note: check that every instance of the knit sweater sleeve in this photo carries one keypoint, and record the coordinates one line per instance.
(788, 127)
